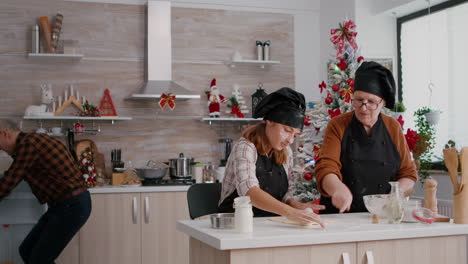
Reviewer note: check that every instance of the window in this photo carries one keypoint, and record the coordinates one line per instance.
(434, 48)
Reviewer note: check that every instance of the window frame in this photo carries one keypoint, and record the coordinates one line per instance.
(403, 19)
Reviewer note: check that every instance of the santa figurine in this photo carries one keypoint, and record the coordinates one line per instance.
(214, 99)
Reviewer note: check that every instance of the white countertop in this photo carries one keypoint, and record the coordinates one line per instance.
(139, 189)
(342, 228)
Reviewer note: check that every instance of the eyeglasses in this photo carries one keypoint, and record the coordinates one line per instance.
(371, 105)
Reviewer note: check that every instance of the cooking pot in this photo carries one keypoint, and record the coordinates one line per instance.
(181, 167)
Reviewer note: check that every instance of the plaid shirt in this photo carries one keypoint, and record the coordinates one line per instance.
(240, 170)
(46, 165)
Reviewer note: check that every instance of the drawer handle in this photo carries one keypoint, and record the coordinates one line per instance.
(147, 212)
(346, 259)
(369, 257)
(135, 211)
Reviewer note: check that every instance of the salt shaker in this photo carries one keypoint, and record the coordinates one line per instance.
(259, 50)
(243, 215)
(266, 50)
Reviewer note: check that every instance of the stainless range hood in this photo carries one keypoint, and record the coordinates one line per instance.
(159, 56)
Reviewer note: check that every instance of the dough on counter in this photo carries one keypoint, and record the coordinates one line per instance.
(284, 220)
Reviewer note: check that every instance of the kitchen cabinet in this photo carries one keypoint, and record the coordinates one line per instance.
(112, 233)
(434, 250)
(348, 239)
(71, 253)
(135, 228)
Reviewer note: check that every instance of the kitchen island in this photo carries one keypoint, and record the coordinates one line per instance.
(348, 238)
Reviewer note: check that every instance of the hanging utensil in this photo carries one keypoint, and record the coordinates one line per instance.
(451, 162)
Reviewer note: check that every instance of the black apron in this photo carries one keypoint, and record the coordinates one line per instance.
(272, 179)
(368, 163)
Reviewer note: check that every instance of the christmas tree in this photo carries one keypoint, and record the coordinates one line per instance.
(237, 103)
(336, 99)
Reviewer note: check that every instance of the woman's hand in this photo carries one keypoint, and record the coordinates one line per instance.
(303, 206)
(342, 198)
(304, 216)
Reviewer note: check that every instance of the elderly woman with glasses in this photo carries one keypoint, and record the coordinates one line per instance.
(364, 149)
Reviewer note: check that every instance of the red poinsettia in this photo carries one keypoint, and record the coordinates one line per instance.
(350, 82)
(342, 64)
(417, 143)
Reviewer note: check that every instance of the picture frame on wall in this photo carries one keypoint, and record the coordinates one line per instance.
(386, 62)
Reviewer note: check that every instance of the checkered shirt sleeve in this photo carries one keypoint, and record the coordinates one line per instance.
(240, 171)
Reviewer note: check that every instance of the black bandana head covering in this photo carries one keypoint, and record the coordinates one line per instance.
(374, 78)
(284, 106)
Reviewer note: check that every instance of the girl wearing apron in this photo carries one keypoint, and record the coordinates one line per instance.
(260, 163)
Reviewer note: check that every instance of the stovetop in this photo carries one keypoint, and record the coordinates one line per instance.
(167, 182)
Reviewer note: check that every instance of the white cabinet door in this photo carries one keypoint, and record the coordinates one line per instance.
(432, 250)
(112, 234)
(71, 253)
(161, 243)
(342, 253)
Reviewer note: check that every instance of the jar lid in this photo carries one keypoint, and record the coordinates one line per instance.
(242, 201)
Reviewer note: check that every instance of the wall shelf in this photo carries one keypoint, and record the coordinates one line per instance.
(55, 57)
(97, 118)
(232, 119)
(261, 63)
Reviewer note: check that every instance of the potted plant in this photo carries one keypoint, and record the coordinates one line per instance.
(398, 109)
(422, 141)
(432, 116)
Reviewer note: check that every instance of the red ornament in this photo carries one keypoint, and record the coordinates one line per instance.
(307, 121)
(308, 176)
(335, 87)
(360, 58)
(329, 99)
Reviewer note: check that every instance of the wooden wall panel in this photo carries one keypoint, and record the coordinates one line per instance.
(112, 39)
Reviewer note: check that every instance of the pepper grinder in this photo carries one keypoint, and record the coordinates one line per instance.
(430, 200)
